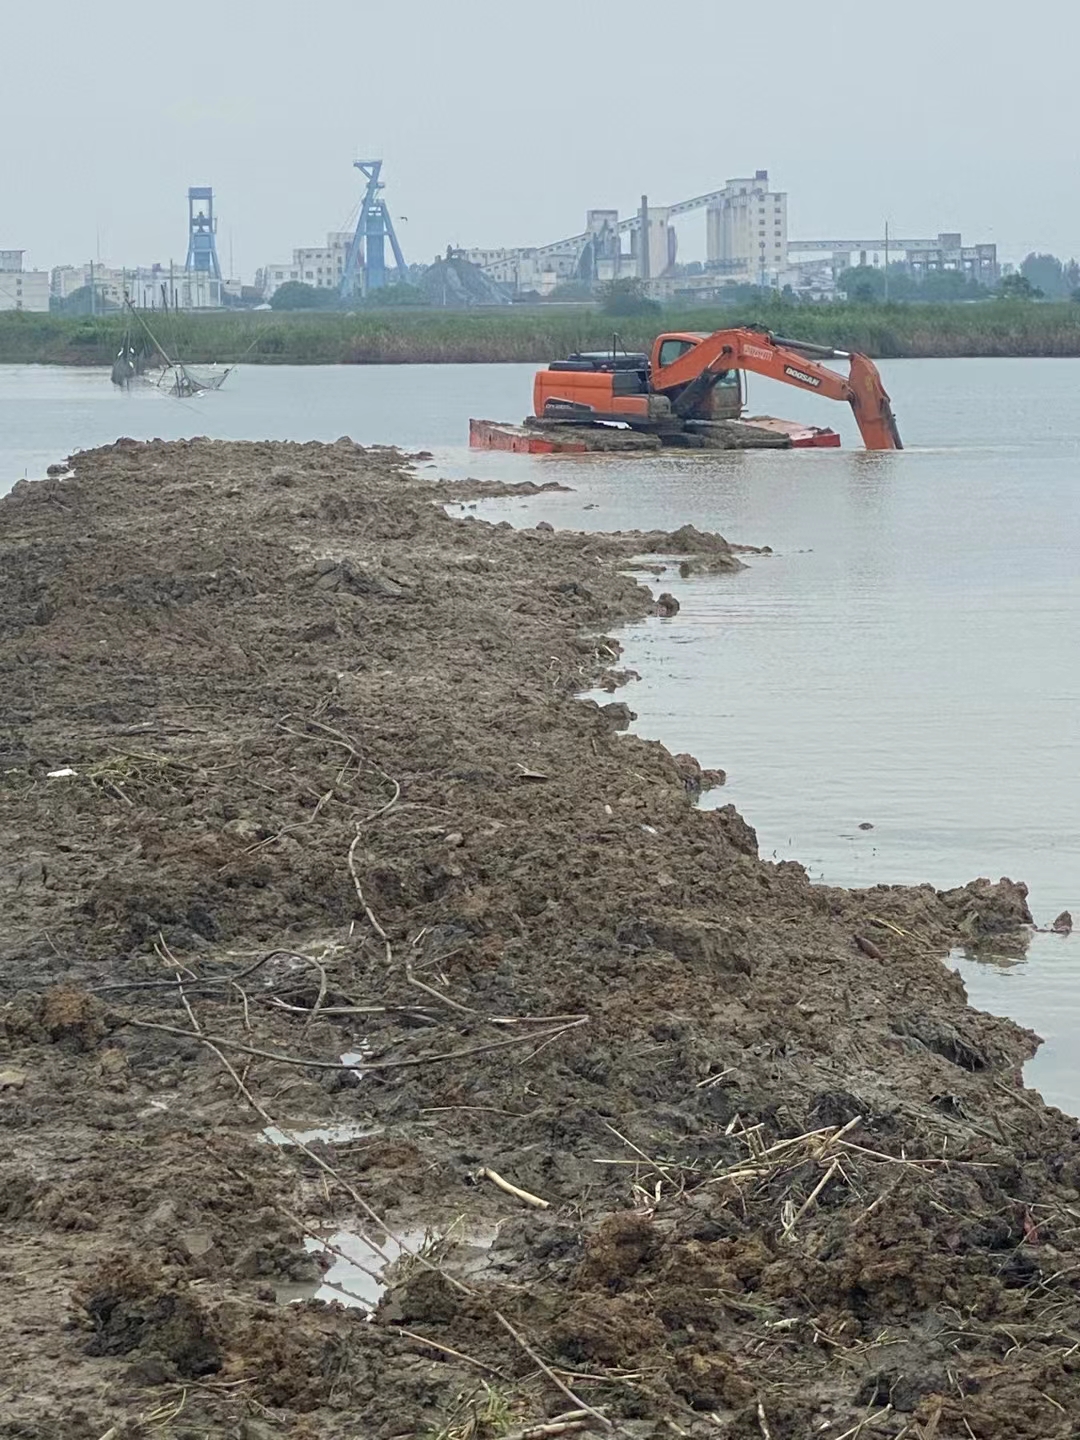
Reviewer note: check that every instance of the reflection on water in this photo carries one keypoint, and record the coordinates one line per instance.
(907, 659)
(357, 1271)
(1041, 992)
(329, 1134)
(355, 1266)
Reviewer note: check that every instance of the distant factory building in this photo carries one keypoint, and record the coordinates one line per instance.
(523, 271)
(148, 287)
(602, 258)
(654, 256)
(746, 227)
(109, 284)
(747, 243)
(746, 230)
(593, 257)
(22, 289)
(321, 267)
(920, 257)
(977, 262)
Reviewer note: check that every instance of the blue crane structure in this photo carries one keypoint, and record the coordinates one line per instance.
(202, 256)
(365, 264)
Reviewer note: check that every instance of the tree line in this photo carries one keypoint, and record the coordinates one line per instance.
(1039, 277)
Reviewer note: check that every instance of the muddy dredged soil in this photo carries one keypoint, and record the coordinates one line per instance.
(331, 774)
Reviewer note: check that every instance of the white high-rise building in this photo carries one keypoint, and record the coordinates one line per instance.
(22, 289)
(319, 266)
(747, 230)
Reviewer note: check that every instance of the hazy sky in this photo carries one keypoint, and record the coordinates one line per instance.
(501, 122)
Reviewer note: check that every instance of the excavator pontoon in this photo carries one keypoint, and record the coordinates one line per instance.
(689, 392)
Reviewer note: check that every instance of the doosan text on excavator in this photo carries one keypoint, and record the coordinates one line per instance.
(689, 392)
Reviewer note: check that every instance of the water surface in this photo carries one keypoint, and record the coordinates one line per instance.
(48, 411)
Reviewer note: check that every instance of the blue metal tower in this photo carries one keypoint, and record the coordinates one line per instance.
(365, 264)
(202, 256)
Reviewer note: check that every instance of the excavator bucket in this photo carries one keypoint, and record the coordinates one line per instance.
(872, 406)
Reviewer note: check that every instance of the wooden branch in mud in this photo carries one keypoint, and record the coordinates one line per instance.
(373, 921)
(320, 998)
(869, 1421)
(411, 1010)
(789, 1226)
(411, 977)
(488, 1174)
(362, 1065)
(437, 994)
(575, 1400)
(244, 998)
(447, 1350)
(371, 917)
(203, 982)
(564, 1424)
(330, 1248)
(655, 1164)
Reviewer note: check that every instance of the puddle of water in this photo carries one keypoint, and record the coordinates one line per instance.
(356, 1276)
(332, 1134)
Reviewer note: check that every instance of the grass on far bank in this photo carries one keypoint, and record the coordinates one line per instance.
(538, 333)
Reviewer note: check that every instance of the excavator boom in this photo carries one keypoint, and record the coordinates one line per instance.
(789, 361)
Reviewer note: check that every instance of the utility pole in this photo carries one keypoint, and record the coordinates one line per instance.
(886, 262)
(93, 291)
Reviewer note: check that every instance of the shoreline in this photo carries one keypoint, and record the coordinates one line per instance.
(331, 770)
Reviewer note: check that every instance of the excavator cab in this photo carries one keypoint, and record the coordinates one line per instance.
(670, 348)
(726, 396)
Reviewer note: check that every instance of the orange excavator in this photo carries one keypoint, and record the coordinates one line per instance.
(692, 380)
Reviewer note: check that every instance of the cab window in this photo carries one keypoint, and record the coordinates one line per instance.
(672, 350)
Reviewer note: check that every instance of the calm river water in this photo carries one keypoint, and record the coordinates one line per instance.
(910, 656)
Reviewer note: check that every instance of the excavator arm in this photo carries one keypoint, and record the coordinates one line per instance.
(790, 361)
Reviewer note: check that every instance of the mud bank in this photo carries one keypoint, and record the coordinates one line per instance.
(290, 770)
